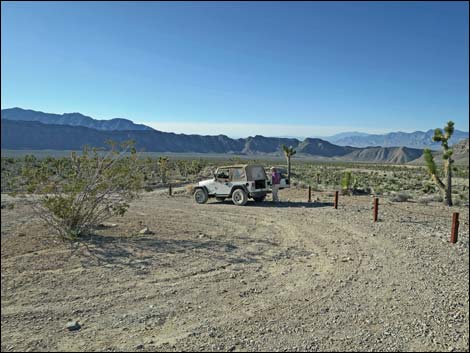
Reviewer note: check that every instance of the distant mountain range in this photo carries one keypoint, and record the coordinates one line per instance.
(343, 135)
(33, 135)
(73, 119)
(30, 130)
(417, 139)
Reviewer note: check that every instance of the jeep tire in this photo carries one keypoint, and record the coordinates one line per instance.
(239, 197)
(200, 195)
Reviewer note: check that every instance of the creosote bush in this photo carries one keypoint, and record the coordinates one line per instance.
(80, 192)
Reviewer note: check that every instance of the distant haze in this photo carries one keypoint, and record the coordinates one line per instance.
(240, 130)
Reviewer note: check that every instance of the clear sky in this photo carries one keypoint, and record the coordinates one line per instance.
(271, 68)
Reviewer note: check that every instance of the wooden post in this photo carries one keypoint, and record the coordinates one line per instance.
(309, 193)
(455, 228)
(169, 189)
(376, 208)
(336, 199)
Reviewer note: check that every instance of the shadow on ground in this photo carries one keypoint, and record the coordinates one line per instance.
(141, 251)
(282, 204)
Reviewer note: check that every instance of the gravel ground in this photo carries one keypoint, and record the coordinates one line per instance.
(293, 277)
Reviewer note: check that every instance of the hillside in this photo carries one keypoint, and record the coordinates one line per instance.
(36, 135)
(315, 146)
(261, 144)
(461, 152)
(460, 155)
(72, 119)
(394, 155)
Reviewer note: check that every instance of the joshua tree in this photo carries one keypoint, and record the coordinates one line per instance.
(443, 138)
(288, 152)
(163, 168)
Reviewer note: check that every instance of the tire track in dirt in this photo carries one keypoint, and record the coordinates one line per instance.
(256, 278)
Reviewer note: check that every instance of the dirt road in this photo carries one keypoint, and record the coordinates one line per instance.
(219, 277)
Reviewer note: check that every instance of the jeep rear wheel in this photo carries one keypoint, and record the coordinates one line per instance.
(200, 195)
(239, 197)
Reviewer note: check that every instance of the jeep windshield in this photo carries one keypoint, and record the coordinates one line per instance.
(223, 173)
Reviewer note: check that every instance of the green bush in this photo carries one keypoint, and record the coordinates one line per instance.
(80, 192)
(348, 183)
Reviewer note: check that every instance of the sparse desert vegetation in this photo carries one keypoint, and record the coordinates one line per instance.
(365, 178)
(171, 275)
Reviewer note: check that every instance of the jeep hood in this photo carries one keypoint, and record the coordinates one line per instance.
(206, 182)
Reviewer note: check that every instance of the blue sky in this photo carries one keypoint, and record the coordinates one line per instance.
(277, 69)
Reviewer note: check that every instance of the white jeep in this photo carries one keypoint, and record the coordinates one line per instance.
(238, 182)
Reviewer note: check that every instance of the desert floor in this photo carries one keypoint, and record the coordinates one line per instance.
(290, 277)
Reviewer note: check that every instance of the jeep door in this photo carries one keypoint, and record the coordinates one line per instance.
(223, 181)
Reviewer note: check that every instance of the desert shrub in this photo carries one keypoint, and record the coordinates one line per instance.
(424, 199)
(195, 167)
(428, 188)
(400, 197)
(182, 168)
(346, 182)
(148, 188)
(82, 191)
(190, 189)
(378, 190)
(8, 206)
(430, 198)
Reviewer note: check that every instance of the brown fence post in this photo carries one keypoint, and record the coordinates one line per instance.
(376, 208)
(336, 199)
(309, 193)
(169, 189)
(455, 228)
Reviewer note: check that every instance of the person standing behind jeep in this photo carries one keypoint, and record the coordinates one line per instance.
(275, 181)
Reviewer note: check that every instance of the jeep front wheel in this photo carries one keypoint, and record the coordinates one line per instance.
(239, 197)
(200, 195)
